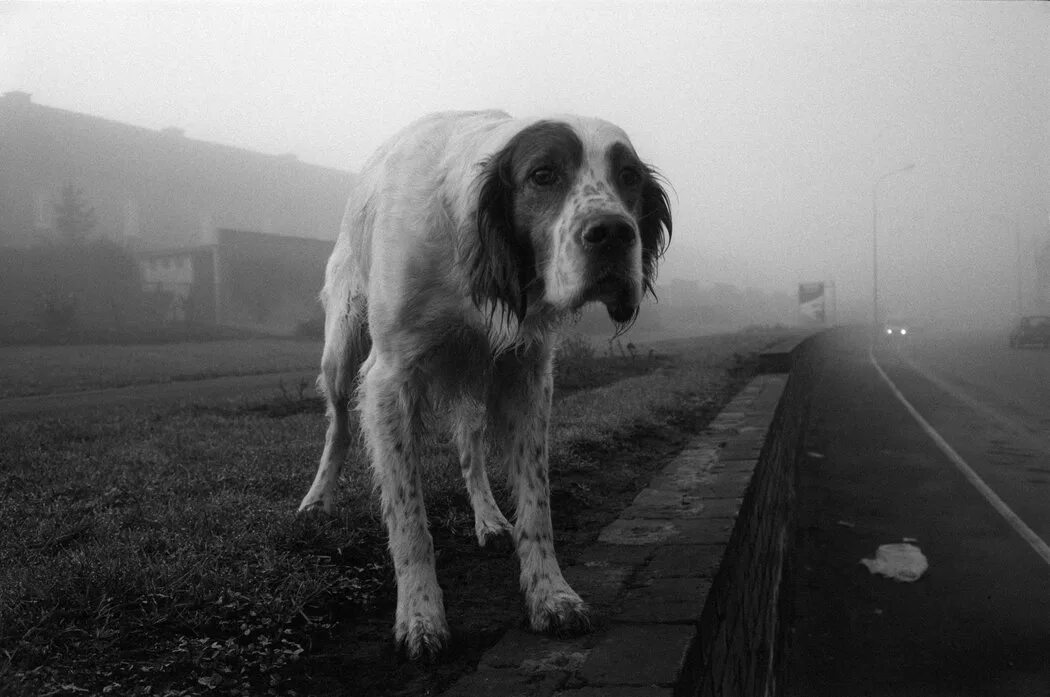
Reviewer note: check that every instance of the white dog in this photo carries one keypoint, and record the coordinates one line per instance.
(468, 239)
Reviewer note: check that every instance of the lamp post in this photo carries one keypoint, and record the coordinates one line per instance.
(1017, 272)
(875, 249)
(1020, 289)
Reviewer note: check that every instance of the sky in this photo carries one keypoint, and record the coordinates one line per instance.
(773, 123)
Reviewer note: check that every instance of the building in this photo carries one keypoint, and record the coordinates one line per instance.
(153, 190)
(245, 279)
(221, 235)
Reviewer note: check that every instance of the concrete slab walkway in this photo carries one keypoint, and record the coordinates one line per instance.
(647, 577)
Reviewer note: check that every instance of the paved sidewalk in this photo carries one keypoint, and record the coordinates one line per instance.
(647, 577)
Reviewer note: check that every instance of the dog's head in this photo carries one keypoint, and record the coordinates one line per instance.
(568, 214)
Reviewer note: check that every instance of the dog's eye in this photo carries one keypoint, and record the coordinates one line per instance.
(630, 177)
(544, 176)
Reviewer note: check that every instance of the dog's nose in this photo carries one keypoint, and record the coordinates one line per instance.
(609, 233)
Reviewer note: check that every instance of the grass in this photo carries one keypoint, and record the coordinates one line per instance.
(156, 552)
(30, 370)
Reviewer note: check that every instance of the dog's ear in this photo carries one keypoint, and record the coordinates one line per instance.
(654, 226)
(501, 262)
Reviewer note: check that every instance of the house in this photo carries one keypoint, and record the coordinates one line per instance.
(244, 279)
(153, 190)
(196, 215)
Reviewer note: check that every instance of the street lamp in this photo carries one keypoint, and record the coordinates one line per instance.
(1020, 289)
(875, 248)
(1017, 241)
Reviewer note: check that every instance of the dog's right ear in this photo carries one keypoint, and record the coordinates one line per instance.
(499, 263)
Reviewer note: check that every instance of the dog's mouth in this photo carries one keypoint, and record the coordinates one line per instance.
(620, 294)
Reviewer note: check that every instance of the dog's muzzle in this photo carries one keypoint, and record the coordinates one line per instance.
(609, 244)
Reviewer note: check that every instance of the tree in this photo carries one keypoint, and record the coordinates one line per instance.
(74, 218)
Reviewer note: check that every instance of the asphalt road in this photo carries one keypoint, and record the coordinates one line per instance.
(978, 621)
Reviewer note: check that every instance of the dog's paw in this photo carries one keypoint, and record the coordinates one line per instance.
(494, 534)
(559, 611)
(421, 637)
(316, 506)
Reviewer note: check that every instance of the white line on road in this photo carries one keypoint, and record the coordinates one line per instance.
(1036, 542)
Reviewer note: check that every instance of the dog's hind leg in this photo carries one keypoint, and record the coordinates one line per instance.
(346, 344)
(490, 525)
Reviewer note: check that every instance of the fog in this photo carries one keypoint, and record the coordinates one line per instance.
(772, 123)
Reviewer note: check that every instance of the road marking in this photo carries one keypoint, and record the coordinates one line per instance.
(1036, 542)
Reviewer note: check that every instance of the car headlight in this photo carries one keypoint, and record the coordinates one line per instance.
(889, 331)
(903, 331)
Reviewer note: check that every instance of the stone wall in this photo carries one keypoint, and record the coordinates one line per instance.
(741, 638)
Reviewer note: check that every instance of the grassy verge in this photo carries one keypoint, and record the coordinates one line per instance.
(157, 552)
(29, 370)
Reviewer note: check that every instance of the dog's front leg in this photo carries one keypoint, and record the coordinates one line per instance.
(489, 523)
(523, 417)
(390, 404)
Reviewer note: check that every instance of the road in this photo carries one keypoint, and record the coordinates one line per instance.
(978, 621)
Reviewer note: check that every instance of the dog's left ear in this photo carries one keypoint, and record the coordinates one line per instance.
(500, 263)
(654, 226)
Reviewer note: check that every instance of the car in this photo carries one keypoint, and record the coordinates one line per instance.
(1031, 330)
(896, 329)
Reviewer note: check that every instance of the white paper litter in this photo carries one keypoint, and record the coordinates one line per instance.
(900, 561)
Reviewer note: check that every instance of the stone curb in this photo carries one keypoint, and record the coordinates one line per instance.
(648, 575)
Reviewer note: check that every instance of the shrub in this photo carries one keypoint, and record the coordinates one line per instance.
(59, 312)
(575, 347)
(51, 291)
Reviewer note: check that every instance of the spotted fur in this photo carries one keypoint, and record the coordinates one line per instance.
(470, 237)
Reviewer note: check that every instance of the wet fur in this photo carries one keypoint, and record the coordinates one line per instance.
(442, 296)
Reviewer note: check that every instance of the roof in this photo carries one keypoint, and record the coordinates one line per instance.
(16, 102)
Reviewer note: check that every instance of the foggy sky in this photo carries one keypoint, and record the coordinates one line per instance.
(771, 122)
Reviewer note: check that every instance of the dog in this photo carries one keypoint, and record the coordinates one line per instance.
(469, 239)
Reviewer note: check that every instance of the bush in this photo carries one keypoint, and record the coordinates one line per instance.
(575, 347)
(76, 292)
(575, 360)
(60, 312)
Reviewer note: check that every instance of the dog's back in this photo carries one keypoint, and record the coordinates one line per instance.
(393, 183)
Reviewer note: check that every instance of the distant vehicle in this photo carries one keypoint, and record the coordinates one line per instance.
(1033, 330)
(896, 329)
